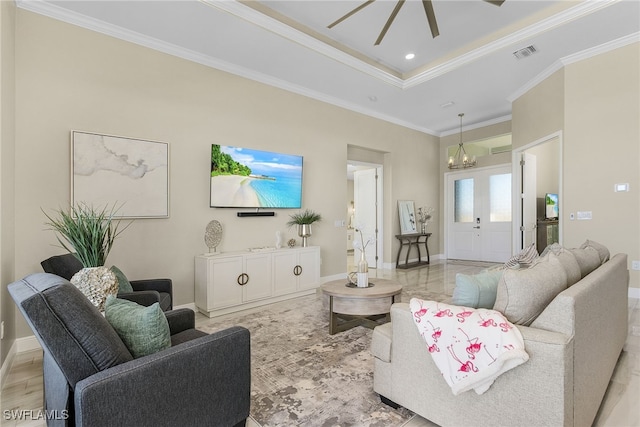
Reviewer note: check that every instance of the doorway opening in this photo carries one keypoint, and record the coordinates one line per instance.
(365, 212)
(537, 171)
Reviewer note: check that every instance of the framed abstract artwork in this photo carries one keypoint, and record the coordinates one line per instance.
(131, 174)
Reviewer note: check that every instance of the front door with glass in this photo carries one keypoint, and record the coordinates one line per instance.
(479, 214)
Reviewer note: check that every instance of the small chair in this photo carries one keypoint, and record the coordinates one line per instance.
(145, 292)
(91, 379)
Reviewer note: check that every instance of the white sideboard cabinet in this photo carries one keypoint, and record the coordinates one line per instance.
(234, 281)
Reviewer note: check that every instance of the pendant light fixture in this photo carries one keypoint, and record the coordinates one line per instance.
(461, 160)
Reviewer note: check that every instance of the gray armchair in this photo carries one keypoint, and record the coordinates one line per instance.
(145, 292)
(91, 379)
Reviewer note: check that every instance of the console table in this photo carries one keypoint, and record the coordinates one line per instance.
(412, 240)
(233, 281)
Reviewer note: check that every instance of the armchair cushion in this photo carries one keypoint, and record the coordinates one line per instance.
(144, 330)
(62, 265)
(77, 336)
(123, 282)
(144, 292)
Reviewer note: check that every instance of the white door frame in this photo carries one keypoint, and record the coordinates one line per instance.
(516, 155)
(379, 209)
(448, 194)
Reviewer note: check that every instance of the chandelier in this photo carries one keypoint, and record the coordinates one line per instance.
(461, 160)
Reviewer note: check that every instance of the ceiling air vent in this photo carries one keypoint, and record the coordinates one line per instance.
(524, 52)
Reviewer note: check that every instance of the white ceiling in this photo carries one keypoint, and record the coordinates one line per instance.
(286, 44)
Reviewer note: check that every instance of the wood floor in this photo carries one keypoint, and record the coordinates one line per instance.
(23, 388)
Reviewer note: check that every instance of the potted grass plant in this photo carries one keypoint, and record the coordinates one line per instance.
(89, 233)
(303, 221)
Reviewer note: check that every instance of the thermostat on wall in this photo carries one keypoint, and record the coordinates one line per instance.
(621, 187)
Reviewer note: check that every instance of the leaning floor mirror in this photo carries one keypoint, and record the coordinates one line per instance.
(407, 215)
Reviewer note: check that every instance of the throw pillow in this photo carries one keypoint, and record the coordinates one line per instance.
(523, 294)
(144, 330)
(588, 259)
(568, 261)
(524, 259)
(476, 291)
(123, 283)
(603, 252)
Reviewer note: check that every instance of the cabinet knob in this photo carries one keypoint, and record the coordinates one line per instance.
(243, 279)
(297, 270)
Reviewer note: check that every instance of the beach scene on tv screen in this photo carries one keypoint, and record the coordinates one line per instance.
(247, 178)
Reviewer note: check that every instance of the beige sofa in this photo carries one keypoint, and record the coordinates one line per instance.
(573, 347)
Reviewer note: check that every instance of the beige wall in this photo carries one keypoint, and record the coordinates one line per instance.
(7, 170)
(595, 104)
(71, 78)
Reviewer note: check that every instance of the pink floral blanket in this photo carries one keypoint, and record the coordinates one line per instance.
(471, 347)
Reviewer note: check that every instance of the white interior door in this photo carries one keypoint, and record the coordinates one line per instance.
(366, 194)
(479, 216)
(529, 192)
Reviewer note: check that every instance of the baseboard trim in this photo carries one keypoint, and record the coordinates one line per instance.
(6, 366)
(20, 345)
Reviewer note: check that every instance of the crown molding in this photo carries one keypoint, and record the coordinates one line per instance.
(62, 14)
(517, 37)
(277, 27)
(476, 125)
(571, 59)
(271, 24)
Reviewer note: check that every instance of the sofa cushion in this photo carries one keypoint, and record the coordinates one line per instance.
(588, 259)
(123, 283)
(568, 261)
(523, 294)
(144, 330)
(603, 252)
(524, 259)
(477, 290)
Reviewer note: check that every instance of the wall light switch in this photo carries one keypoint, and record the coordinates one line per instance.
(621, 187)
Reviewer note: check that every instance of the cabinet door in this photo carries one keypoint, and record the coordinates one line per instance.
(308, 269)
(258, 270)
(224, 277)
(284, 280)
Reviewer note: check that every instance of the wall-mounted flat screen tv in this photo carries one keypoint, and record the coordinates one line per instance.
(551, 206)
(247, 178)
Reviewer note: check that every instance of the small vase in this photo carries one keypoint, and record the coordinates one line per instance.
(96, 283)
(304, 231)
(423, 227)
(363, 272)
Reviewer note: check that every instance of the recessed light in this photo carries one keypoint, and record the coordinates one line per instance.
(410, 56)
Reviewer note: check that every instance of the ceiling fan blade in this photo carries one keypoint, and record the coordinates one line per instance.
(354, 11)
(431, 18)
(495, 2)
(389, 21)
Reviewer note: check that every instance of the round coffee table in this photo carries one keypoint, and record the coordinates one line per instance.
(359, 306)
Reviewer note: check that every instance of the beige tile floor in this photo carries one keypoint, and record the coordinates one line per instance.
(23, 388)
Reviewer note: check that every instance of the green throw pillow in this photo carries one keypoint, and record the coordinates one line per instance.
(476, 291)
(123, 283)
(144, 330)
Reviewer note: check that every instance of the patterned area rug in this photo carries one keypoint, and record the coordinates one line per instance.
(302, 376)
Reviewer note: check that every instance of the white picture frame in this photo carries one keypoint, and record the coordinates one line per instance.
(407, 217)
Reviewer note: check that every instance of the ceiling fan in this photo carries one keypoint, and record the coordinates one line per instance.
(428, 8)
